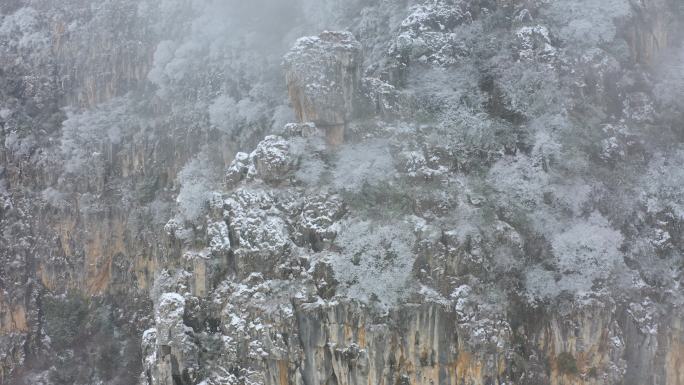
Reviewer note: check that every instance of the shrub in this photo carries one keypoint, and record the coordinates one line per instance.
(64, 318)
(566, 363)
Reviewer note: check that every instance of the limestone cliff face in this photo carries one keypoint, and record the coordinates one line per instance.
(434, 192)
(323, 75)
(650, 30)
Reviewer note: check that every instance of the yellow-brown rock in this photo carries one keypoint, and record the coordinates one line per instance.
(322, 74)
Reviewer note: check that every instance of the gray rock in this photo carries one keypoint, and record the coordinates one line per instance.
(323, 74)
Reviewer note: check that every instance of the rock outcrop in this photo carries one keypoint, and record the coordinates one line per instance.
(499, 200)
(170, 354)
(323, 74)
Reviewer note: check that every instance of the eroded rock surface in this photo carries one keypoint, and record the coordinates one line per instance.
(502, 203)
(323, 74)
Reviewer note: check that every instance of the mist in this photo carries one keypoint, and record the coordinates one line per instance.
(330, 192)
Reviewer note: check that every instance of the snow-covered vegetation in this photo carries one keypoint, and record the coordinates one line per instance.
(335, 192)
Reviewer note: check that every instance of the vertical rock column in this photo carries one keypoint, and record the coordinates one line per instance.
(649, 30)
(322, 74)
(170, 354)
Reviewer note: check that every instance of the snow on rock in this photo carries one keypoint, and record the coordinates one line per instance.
(237, 170)
(428, 34)
(382, 98)
(219, 238)
(177, 354)
(481, 321)
(323, 74)
(534, 43)
(176, 230)
(645, 316)
(169, 315)
(259, 232)
(316, 223)
(149, 351)
(305, 130)
(436, 15)
(272, 159)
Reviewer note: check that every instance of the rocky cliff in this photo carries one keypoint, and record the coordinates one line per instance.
(341, 192)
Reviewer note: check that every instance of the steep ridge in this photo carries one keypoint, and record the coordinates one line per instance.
(445, 192)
